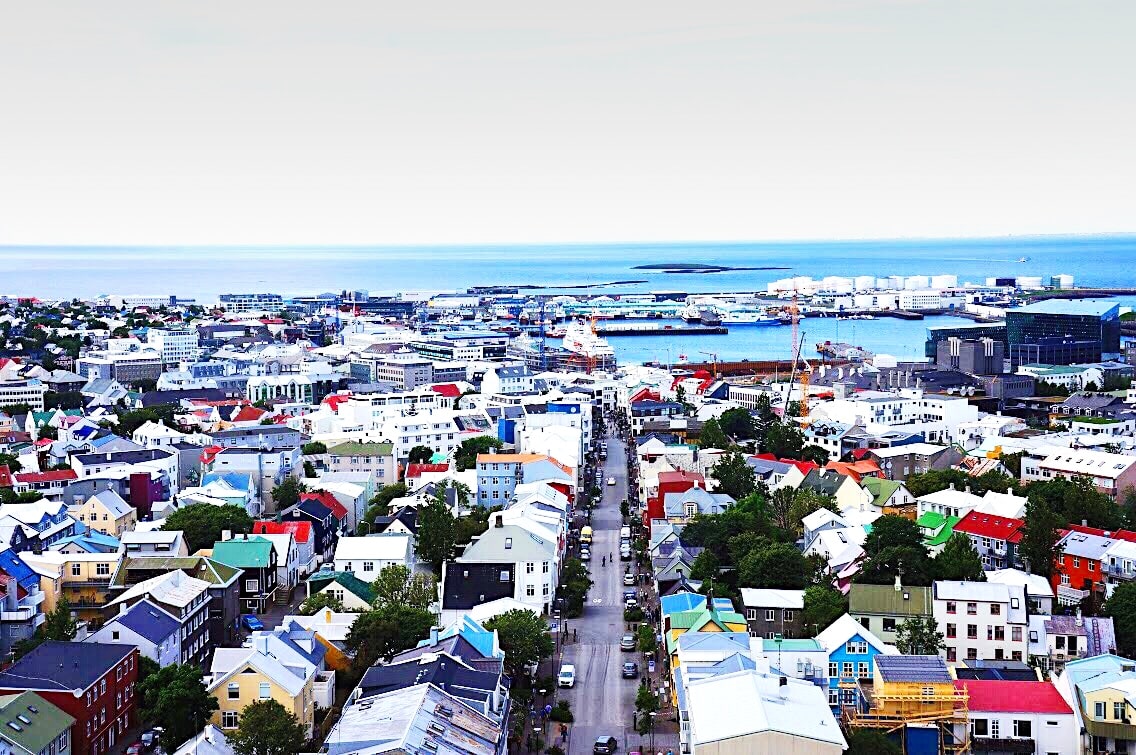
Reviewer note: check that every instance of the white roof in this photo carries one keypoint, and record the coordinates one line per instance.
(761, 598)
(331, 625)
(1088, 463)
(175, 588)
(270, 656)
(1035, 586)
(113, 503)
(486, 611)
(389, 546)
(211, 741)
(1003, 504)
(844, 629)
(951, 497)
(151, 537)
(798, 709)
(819, 518)
(923, 449)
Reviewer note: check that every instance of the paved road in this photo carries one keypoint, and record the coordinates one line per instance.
(602, 701)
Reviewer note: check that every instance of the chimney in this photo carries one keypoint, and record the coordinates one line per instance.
(499, 521)
(433, 635)
(898, 582)
(1080, 620)
(710, 601)
(226, 534)
(783, 686)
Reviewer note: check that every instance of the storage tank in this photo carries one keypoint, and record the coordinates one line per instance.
(1028, 281)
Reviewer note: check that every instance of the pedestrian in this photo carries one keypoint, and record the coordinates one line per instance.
(573, 634)
(603, 561)
(563, 732)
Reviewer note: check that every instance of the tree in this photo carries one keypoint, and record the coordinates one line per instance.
(783, 441)
(871, 742)
(1122, 608)
(805, 502)
(314, 448)
(919, 635)
(712, 436)
(58, 624)
(524, 637)
(734, 476)
(383, 632)
(912, 565)
(738, 423)
(1040, 533)
(934, 480)
(576, 581)
(287, 493)
(11, 461)
(465, 457)
(823, 605)
(321, 600)
(705, 566)
(63, 400)
(814, 453)
(645, 638)
(1077, 500)
(890, 531)
(398, 585)
(742, 544)
(267, 728)
(471, 525)
(646, 703)
(764, 418)
(959, 561)
(128, 422)
(434, 542)
(779, 504)
(379, 505)
(175, 698)
(420, 455)
(779, 566)
(202, 524)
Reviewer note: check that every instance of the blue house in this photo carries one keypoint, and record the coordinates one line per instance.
(851, 650)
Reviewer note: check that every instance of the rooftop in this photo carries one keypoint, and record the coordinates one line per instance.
(1013, 697)
(64, 666)
(930, 669)
(1090, 307)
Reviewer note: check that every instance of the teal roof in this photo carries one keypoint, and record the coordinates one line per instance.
(788, 646)
(253, 553)
(344, 579)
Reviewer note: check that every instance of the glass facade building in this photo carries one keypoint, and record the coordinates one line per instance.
(1063, 331)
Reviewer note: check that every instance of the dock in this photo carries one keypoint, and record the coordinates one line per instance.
(610, 329)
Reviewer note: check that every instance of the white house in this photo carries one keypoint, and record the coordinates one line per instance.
(365, 557)
(156, 634)
(981, 620)
(1031, 714)
(531, 547)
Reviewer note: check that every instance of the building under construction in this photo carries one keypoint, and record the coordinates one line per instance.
(914, 701)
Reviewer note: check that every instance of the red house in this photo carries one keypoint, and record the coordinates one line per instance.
(670, 482)
(93, 682)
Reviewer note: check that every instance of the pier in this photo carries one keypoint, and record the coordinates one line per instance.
(652, 329)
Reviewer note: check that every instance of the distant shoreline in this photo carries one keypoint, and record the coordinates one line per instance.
(695, 267)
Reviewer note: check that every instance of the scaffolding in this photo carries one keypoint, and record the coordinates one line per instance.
(895, 707)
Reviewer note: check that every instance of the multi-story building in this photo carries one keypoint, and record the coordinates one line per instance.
(185, 599)
(259, 436)
(28, 392)
(256, 557)
(82, 578)
(984, 356)
(37, 726)
(21, 601)
(240, 303)
(1111, 473)
(129, 366)
(92, 682)
(499, 474)
(882, 608)
(1063, 331)
(770, 613)
(995, 538)
(176, 345)
(401, 370)
(376, 459)
(533, 551)
(981, 620)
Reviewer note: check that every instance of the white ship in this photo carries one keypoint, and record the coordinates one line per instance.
(740, 317)
(579, 339)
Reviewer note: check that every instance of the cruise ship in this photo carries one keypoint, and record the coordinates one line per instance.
(579, 339)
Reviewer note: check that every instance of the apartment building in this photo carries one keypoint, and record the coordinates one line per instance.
(981, 620)
(28, 392)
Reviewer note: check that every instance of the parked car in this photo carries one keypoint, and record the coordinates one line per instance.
(251, 623)
(567, 676)
(611, 481)
(630, 670)
(624, 554)
(628, 578)
(150, 738)
(627, 643)
(585, 554)
(604, 746)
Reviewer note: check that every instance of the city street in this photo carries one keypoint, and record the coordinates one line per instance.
(602, 701)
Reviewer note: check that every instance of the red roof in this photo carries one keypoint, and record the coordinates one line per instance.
(328, 500)
(335, 399)
(646, 394)
(804, 466)
(416, 470)
(1127, 535)
(681, 476)
(6, 480)
(449, 390)
(857, 470)
(5, 361)
(249, 414)
(990, 696)
(55, 475)
(301, 531)
(988, 525)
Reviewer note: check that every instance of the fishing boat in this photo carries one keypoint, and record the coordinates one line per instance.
(741, 318)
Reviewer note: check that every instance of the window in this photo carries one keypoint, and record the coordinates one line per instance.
(265, 690)
(787, 616)
(1014, 603)
(979, 727)
(114, 633)
(862, 670)
(995, 609)
(229, 719)
(952, 631)
(889, 625)
(544, 565)
(972, 654)
(76, 570)
(1076, 562)
(1015, 634)
(857, 647)
(833, 697)
(833, 671)
(1118, 711)
(1023, 728)
(504, 576)
(951, 607)
(1016, 655)
(846, 669)
(253, 585)
(972, 631)
(952, 655)
(994, 728)
(751, 614)
(234, 691)
(770, 615)
(530, 591)
(971, 609)
(62, 741)
(368, 566)
(508, 543)
(530, 567)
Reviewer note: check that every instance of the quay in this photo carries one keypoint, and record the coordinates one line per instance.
(651, 329)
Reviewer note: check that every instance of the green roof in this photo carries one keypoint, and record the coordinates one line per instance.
(362, 449)
(253, 553)
(1094, 420)
(931, 520)
(698, 618)
(790, 646)
(344, 579)
(438, 458)
(886, 600)
(942, 526)
(47, 722)
(200, 567)
(880, 489)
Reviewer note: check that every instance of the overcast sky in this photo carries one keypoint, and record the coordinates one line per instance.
(389, 123)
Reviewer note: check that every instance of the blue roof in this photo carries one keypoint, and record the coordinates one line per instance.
(688, 601)
(1089, 307)
(90, 541)
(147, 620)
(15, 568)
(238, 480)
(931, 669)
(472, 632)
(55, 666)
(293, 634)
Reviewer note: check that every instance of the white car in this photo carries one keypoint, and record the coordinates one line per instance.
(567, 676)
(611, 481)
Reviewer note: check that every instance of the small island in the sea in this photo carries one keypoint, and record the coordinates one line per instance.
(695, 267)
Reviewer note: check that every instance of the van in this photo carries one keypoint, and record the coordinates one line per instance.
(585, 534)
(624, 533)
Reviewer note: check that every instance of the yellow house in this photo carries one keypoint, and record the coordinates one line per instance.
(84, 578)
(270, 669)
(1105, 688)
(106, 512)
(699, 620)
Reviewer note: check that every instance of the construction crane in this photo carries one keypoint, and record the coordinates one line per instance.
(806, 374)
(794, 317)
(713, 361)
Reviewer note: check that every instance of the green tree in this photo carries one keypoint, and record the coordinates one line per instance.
(645, 638)
(524, 637)
(890, 531)
(779, 566)
(783, 441)
(764, 418)
(383, 632)
(805, 502)
(734, 476)
(1122, 608)
(379, 505)
(814, 453)
(175, 698)
(201, 524)
(711, 435)
(471, 525)
(435, 540)
(11, 461)
(1076, 500)
(871, 742)
(320, 601)
(738, 423)
(576, 581)
(398, 585)
(420, 455)
(742, 544)
(959, 561)
(267, 728)
(705, 566)
(314, 448)
(63, 400)
(780, 502)
(465, 457)
(646, 703)
(912, 565)
(287, 493)
(823, 605)
(1040, 533)
(58, 624)
(130, 421)
(934, 480)
(919, 635)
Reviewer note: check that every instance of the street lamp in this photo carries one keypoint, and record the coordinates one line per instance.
(651, 723)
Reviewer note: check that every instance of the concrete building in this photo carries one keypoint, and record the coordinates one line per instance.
(981, 620)
(240, 303)
(984, 356)
(176, 345)
(28, 392)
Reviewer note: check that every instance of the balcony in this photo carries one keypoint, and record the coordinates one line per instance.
(20, 614)
(1069, 596)
(993, 744)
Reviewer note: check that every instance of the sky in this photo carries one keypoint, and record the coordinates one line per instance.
(156, 122)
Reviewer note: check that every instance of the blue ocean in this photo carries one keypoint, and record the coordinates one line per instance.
(204, 272)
